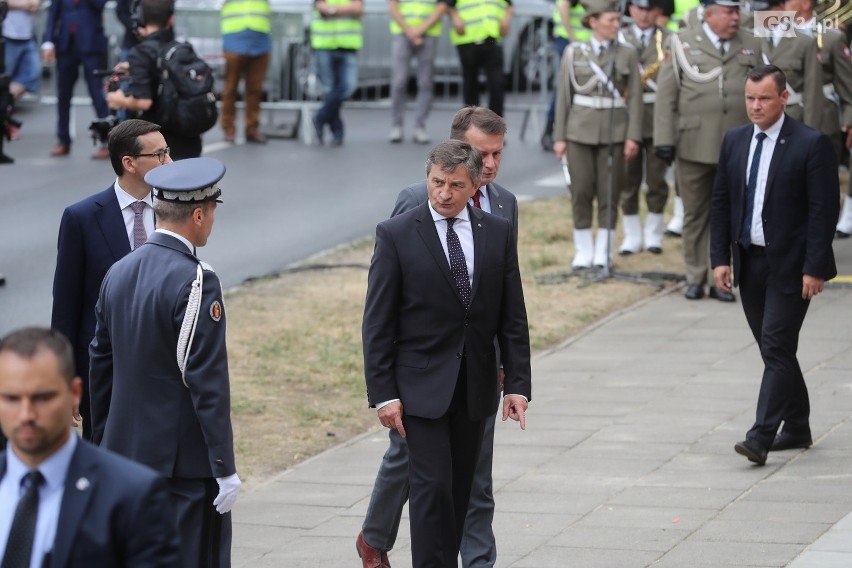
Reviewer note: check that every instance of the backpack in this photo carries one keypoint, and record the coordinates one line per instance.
(186, 102)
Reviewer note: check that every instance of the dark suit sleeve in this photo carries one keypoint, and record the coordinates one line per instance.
(823, 209)
(720, 210)
(513, 335)
(68, 280)
(100, 369)
(54, 14)
(405, 201)
(151, 536)
(515, 219)
(206, 374)
(379, 327)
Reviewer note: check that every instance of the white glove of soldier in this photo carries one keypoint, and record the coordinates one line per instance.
(229, 489)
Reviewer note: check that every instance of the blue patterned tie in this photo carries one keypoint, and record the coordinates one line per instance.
(19, 546)
(457, 263)
(751, 189)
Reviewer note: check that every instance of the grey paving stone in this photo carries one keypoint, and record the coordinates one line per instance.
(675, 497)
(563, 557)
(769, 530)
(694, 552)
(620, 538)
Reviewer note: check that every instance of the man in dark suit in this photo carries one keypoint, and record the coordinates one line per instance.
(443, 282)
(773, 210)
(99, 230)
(485, 130)
(159, 367)
(74, 36)
(83, 506)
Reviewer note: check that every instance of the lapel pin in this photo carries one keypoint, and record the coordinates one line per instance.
(781, 141)
(82, 484)
(500, 205)
(479, 225)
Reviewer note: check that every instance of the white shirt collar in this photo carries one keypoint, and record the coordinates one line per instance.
(641, 34)
(463, 214)
(596, 45)
(773, 131)
(125, 199)
(181, 238)
(712, 35)
(54, 468)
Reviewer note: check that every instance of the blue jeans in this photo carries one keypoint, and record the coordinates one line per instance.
(338, 72)
(23, 63)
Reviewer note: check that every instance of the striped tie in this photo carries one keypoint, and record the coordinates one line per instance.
(139, 233)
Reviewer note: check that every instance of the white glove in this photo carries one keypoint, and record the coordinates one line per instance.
(229, 489)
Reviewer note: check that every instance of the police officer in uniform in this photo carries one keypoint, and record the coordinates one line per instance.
(700, 94)
(649, 40)
(599, 93)
(836, 60)
(159, 368)
(796, 56)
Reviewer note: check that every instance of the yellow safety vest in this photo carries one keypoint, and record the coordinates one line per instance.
(414, 12)
(681, 8)
(559, 29)
(336, 33)
(240, 15)
(580, 33)
(481, 20)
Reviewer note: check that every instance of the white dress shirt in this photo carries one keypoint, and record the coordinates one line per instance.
(717, 41)
(484, 199)
(644, 36)
(463, 230)
(769, 142)
(596, 45)
(55, 470)
(125, 200)
(181, 238)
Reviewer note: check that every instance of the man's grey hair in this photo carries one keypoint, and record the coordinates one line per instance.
(176, 213)
(451, 154)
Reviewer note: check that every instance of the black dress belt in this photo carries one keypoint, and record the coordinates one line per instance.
(755, 250)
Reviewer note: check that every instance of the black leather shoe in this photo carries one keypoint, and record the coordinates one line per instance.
(752, 450)
(655, 250)
(721, 295)
(670, 233)
(841, 235)
(694, 292)
(785, 441)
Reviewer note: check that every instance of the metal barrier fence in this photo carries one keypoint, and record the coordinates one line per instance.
(292, 83)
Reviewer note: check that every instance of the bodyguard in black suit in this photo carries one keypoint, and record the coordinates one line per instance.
(159, 366)
(84, 506)
(443, 282)
(773, 210)
(96, 232)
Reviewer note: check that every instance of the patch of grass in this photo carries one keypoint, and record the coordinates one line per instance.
(295, 340)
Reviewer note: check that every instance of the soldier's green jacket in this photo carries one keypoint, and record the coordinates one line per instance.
(591, 126)
(797, 57)
(694, 115)
(648, 56)
(836, 62)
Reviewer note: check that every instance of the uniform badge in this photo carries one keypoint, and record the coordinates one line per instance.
(82, 484)
(746, 51)
(216, 311)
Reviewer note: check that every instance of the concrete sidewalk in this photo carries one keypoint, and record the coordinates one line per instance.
(627, 460)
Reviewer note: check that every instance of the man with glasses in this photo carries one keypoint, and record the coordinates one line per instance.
(98, 231)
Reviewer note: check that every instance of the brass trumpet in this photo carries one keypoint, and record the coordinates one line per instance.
(650, 72)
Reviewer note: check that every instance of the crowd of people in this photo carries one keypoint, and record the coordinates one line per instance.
(751, 123)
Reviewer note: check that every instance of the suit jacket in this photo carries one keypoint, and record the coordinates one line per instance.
(800, 210)
(114, 513)
(92, 237)
(503, 202)
(416, 330)
(140, 406)
(695, 115)
(80, 22)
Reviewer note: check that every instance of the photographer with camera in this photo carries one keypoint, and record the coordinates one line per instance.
(154, 20)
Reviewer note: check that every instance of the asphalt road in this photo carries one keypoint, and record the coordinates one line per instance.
(283, 202)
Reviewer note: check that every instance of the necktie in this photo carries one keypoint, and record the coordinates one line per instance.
(458, 266)
(601, 50)
(139, 234)
(476, 196)
(19, 547)
(751, 189)
(722, 48)
(645, 40)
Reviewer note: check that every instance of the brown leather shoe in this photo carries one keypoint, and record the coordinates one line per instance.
(60, 150)
(370, 557)
(101, 153)
(255, 137)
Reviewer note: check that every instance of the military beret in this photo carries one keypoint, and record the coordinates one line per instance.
(187, 181)
(646, 4)
(595, 7)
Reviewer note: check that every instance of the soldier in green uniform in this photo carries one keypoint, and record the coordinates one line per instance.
(649, 40)
(836, 60)
(599, 95)
(700, 93)
(796, 56)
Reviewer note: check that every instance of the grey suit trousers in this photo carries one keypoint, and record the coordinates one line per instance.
(390, 492)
